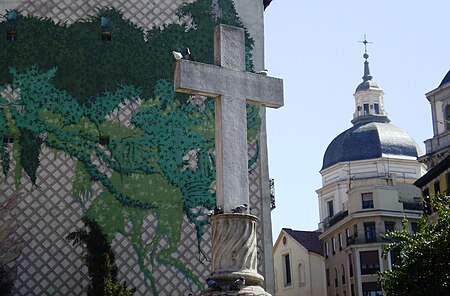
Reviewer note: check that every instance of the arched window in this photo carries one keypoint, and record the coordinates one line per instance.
(301, 273)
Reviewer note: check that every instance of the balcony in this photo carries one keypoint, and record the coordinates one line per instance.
(330, 221)
(379, 238)
(413, 206)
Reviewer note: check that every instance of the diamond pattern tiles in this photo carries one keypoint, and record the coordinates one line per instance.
(49, 264)
(144, 13)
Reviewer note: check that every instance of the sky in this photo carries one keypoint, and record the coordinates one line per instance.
(313, 46)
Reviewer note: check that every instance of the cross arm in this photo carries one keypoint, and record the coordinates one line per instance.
(213, 81)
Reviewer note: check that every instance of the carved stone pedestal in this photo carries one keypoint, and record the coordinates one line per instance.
(234, 255)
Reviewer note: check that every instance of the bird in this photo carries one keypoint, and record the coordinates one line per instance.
(213, 285)
(240, 209)
(263, 72)
(188, 55)
(238, 284)
(177, 55)
(216, 211)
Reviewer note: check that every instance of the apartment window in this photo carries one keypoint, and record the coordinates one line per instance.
(330, 208)
(347, 235)
(333, 242)
(370, 263)
(389, 226)
(327, 275)
(366, 109)
(336, 283)
(367, 200)
(342, 275)
(371, 289)
(437, 187)
(355, 230)
(376, 108)
(340, 241)
(426, 201)
(287, 270)
(414, 227)
(326, 249)
(350, 265)
(369, 231)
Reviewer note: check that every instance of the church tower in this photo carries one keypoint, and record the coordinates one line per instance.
(367, 188)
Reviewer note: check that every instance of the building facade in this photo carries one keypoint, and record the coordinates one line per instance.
(91, 127)
(367, 188)
(437, 154)
(299, 264)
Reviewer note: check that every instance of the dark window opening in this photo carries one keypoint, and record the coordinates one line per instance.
(447, 190)
(330, 208)
(8, 139)
(340, 241)
(369, 231)
(352, 290)
(11, 36)
(103, 140)
(376, 108)
(326, 249)
(342, 275)
(336, 283)
(371, 289)
(414, 227)
(437, 187)
(389, 226)
(366, 109)
(426, 201)
(287, 269)
(327, 275)
(333, 242)
(370, 263)
(367, 200)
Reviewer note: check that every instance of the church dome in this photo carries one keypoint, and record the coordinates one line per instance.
(369, 140)
(372, 136)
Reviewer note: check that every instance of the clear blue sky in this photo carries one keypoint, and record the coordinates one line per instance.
(313, 45)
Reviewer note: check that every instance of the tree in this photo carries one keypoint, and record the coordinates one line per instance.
(423, 263)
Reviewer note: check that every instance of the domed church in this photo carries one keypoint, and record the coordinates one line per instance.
(367, 188)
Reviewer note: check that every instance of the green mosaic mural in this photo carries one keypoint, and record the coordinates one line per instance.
(59, 85)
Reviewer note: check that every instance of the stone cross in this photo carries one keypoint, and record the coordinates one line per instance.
(232, 88)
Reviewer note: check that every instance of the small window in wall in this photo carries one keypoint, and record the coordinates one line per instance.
(367, 200)
(376, 108)
(330, 208)
(11, 36)
(326, 249)
(437, 187)
(341, 243)
(342, 274)
(327, 275)
(8, 139)
(333, 242)
(414, 227)
(369, 231)
(336, 283)
(366, 109)
(371, 289)
(389, 226)
(287, 270)
(426, 200)
(370, 262)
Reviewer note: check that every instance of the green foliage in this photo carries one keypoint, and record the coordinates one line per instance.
(423, 266)
(99, 259)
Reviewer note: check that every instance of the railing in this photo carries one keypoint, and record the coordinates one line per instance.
(413, 206)
(379, 238)
(330, 221)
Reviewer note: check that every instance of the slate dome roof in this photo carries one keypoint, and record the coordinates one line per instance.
(446, 79)
(368, 140)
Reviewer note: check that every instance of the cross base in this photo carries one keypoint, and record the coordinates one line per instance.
(246, 291)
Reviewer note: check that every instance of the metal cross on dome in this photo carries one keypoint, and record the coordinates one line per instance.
(232, 88)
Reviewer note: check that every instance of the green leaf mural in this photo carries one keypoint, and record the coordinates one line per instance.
(161, 162)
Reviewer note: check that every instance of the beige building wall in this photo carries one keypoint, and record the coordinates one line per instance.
(307, 269)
